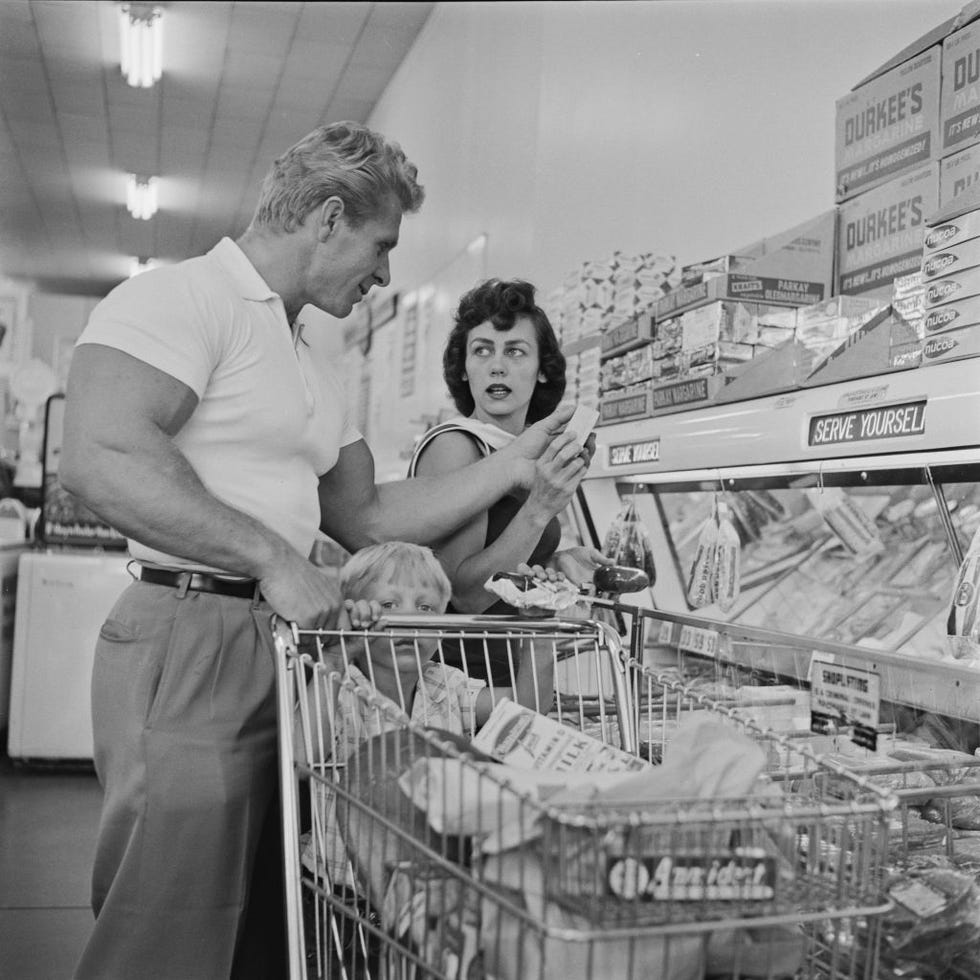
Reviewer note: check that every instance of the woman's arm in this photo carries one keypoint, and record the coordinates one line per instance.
(468, 560)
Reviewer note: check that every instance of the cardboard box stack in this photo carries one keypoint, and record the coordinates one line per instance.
(852, 293)
(951, 272)
(607, 297)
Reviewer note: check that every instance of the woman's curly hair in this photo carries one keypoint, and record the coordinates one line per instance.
(501, 302)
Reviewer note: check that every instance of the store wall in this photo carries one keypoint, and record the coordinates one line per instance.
(566, 131)
(56, 322)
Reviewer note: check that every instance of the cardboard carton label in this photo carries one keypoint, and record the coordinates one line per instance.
(959, 286)
(627, 404)
(889, 125)
(881, 233)
(681, 393)
(952, 345)
(949, 233)
(958, 174)
(960, 100)
(954, 259)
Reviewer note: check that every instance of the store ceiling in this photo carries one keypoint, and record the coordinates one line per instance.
(241, 82)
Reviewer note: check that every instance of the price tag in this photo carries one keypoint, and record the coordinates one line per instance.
(699, 640)
(666, 632)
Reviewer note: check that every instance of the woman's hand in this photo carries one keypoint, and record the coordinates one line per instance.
(578, 564)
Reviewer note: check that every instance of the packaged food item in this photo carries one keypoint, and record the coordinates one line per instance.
(962, 625)
(700, 581)
(628, 543)
(857, 532)
(727, 561)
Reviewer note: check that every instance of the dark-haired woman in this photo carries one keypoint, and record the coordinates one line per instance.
(504, 370)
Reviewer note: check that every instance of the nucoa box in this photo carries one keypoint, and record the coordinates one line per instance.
(888, 125)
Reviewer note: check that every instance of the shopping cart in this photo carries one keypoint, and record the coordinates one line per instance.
(453, 866)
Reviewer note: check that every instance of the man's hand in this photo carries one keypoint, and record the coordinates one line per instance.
(302, 593)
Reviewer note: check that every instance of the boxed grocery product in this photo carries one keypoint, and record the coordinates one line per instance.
(883, 342)
(625, 404)
(959, 111)
(955, 222)
(723, 320)
(685, 393)
(951, 316)
(698, 272)
(958, 173)
(889, 125)
(770, 372)
(951, 260)
(952, 345)
(823, 327)
(632, 333)
(792, 268)
(882, 231)
(955, 287)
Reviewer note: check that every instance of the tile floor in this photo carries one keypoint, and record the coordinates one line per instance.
(48, 820)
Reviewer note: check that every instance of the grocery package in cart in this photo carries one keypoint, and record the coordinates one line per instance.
(555, 843)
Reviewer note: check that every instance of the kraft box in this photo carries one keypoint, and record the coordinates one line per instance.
(881, 233)
(793, 268)
(889, 125)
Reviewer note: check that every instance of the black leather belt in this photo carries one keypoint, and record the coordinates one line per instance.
(198, 582)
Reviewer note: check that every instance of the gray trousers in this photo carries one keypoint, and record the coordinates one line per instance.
(183, 704)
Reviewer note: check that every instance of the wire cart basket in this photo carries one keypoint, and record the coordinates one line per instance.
(412, 853)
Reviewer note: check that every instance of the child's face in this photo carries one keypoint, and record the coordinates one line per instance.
(400, 595)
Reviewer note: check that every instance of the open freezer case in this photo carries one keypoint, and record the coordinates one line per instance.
(903, 448)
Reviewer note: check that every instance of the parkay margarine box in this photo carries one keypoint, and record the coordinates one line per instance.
(881, 232)
(959, 109)
(889, 125)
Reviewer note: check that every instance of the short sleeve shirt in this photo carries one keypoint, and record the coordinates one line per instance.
(269, 422)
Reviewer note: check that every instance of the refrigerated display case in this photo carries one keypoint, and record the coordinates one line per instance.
(904, 448)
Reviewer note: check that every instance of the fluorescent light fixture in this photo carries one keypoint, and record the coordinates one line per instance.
(141, 196)
(141, 44)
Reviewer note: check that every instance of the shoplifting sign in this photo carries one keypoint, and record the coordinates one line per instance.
(893, 421)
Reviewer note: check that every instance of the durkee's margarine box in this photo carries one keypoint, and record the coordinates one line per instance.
(881, 232)
(889, 125)
(959, 111)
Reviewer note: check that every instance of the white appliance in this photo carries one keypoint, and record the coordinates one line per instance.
(63, 597)
(9, 560)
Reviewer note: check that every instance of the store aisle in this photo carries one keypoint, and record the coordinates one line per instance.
(48, 821)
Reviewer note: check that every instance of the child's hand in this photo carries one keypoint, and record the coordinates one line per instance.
(360, 614)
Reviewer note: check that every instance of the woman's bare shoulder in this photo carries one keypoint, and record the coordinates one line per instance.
(448, 450)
